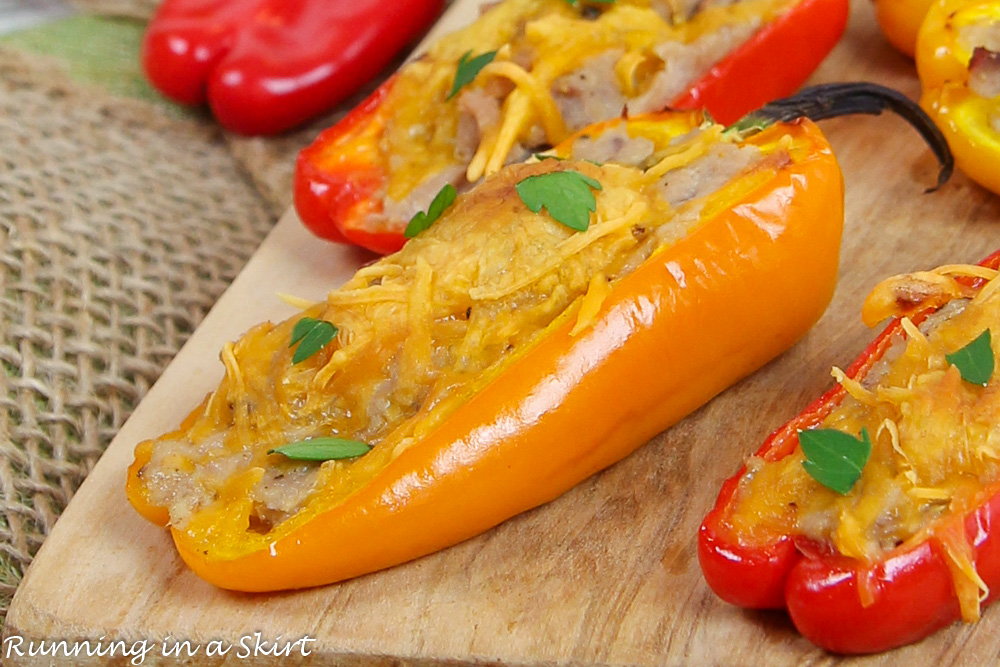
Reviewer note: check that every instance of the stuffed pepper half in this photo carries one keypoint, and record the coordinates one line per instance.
(958, 60)
(528, 74)
(869, 516)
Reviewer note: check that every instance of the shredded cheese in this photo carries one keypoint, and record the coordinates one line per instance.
(916, 336)
(988, 291)
(541, 97)
(418, 345)
(685, 153)
(853, 387)
(296, 302)
(969, 586)
(537, 42)
(970, 270)
(372, 294)
(929, 493)
(597, 292)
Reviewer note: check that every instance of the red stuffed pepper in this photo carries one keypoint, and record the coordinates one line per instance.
(265, 66)
(527, 74)
(869, 516)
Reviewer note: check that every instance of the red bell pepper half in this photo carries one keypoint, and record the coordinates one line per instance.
(908, 594)
(332, 199)
(265, 66)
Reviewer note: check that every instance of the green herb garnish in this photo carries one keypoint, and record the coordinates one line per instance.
(834, 458)
(468, 68)
(566, 195)
(421, 221)
(975, 360)
(748, 125)
(322, 449)
(312, 335)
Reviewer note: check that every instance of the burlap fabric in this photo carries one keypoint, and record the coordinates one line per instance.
(119, 228)
(120, 225)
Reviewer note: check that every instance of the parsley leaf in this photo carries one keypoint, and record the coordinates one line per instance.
(322, 449)
(834, 458)
(975, 360)
(565, 195)
(421, 221)
(312, 335)
(467, 70)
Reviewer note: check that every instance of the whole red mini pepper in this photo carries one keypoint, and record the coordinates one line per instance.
(265, 66)
(912, 589)
(340, 179)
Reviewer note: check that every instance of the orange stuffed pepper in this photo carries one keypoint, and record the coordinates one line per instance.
(535, 330)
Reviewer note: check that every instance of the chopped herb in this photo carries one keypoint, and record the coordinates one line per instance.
(834, 458)
(322, 449)
(312, 335)
(566, 195)
(975, 360)
(421, 221)
(545, 156)
(468, 68)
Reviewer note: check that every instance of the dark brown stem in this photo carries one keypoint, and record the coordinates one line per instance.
(830, 100)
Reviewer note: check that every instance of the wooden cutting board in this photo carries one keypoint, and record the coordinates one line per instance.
(606, 574)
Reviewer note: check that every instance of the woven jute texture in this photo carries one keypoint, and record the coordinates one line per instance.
(119, 228)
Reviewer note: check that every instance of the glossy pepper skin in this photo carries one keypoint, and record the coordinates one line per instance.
(718, 304)
(265, 66)
(339, 178)
(914, 589)
(900, 21)
(943, 66)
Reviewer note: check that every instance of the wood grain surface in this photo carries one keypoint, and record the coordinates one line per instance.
(606, 574)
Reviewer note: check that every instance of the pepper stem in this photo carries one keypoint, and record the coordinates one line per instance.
(830, 100)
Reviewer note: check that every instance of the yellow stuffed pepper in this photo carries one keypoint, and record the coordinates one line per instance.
(900, 21)
(958, 61)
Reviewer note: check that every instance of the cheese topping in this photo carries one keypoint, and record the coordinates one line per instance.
(419, 333)
(936, 446)
(556, 70)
